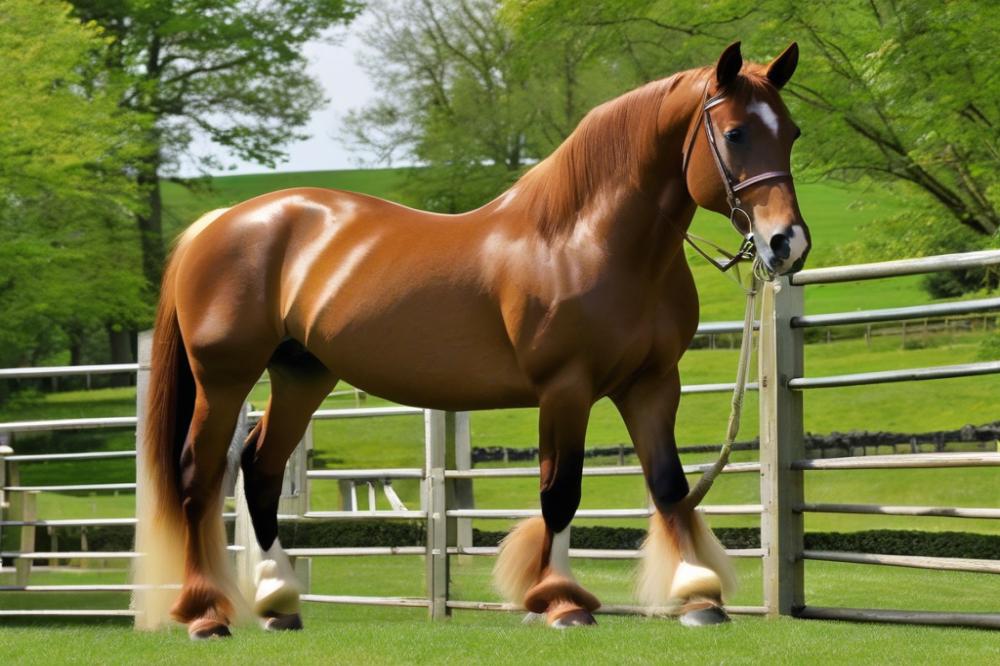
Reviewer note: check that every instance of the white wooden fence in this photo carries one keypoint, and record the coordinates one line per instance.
(447, 475)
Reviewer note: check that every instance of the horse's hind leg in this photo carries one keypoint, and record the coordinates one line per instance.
(299, 383)
(204, 603)
(533, 565)
(684, 565)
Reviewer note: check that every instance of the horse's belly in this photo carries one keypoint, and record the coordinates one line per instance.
(440, 348)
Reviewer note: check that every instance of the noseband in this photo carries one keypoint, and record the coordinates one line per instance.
(731, 183)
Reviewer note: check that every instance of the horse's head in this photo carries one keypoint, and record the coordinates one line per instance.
(737, 156)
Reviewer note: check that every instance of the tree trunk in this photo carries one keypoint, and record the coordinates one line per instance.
(150, 223)
(120, 346)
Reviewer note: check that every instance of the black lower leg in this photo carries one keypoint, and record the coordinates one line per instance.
(665, 476)
(262, 493)
(560, 493)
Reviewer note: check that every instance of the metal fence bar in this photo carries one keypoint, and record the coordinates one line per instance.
(714, 327)
(911, 561)
(68, 370)
(599, 554)
(71, 555)
(353, 413)
(367, 601)
(950, 619)
(71, 488)
(511, 514)
(56, 457)
(608, 609)
(608, 470)
(890, 376)
(943, 262)
(902, 461)
(897, 314)
(362, 515)
(70, 424)
(362, 551)
(363, 474)
(889, 510)
(46, 612)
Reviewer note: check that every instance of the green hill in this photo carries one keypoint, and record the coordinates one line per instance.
(833, 212)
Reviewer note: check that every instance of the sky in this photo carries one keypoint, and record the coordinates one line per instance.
(346, 85)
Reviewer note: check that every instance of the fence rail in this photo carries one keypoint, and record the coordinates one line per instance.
(447, 475)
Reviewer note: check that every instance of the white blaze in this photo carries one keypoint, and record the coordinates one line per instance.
(766, 114)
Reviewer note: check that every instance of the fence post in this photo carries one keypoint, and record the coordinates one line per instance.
(435, 438)
(28, 512)
(295, 486)
(5, 513)
(458, 455)
(781, 442)
(144, 356)
(294, 498)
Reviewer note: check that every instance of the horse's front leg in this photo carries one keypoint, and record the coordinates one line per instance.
(533, 569)
(684, 566)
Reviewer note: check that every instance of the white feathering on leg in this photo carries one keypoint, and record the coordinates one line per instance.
(660, 558)
(277, 588)
(519, 562)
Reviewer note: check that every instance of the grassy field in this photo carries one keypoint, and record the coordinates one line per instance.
(386, 635)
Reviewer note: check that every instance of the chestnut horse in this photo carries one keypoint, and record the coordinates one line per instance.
(569, 287)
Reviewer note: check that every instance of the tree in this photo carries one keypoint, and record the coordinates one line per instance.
(916, 87)
(68, 258)
(230, 69)
(460, 97)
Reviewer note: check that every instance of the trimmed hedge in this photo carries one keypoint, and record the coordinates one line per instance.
(381, 533)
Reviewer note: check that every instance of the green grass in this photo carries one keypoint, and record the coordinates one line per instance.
(388, 635)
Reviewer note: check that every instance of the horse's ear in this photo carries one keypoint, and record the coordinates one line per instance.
(782, 67)
(729, 65)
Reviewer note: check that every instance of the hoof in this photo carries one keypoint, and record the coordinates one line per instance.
(278, 622)
(576, 618)
(200, 630)
(704, 617)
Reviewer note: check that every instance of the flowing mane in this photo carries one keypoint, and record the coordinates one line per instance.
(610, 144)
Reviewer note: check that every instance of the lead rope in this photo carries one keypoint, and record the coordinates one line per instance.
(757, 275)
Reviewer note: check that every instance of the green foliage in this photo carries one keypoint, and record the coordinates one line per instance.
(231, 71)
(461, 97)
(68, 262)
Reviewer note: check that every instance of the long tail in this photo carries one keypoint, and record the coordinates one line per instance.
(159, 536)
(169, 404)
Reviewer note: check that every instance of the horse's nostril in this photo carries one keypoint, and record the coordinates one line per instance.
(780, 246)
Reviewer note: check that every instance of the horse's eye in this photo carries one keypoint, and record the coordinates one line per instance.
(734, 135)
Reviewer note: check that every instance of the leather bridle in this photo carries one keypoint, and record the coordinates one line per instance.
(732, 185)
